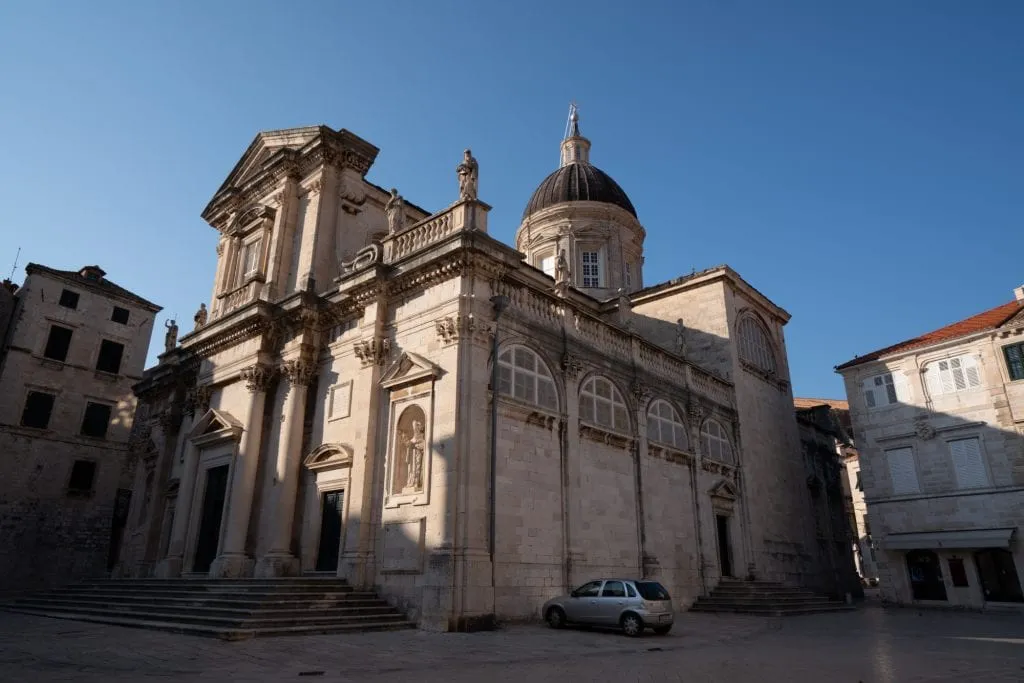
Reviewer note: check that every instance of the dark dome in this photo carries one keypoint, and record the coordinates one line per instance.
(578, 182)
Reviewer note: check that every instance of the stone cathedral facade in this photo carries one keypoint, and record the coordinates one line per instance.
(333, 409)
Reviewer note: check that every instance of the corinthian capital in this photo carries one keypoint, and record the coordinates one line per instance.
(298, 372)
(256, 377)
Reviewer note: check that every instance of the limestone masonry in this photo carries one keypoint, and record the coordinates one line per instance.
(332, 409)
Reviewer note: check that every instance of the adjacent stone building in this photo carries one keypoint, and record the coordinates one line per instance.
(76, 344)
(332, 411)
(938, 421)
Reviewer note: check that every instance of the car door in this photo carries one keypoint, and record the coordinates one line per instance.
(582, 602)
(611, 603)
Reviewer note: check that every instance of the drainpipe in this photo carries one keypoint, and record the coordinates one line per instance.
(499, 302)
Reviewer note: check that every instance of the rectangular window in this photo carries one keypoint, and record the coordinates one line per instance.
(109, 359)
(968, 463)
(250, 259)
(69, 299)
(120, 315)
(902, 471)
(96, 420)
(952, 375)
(547, 264)
(1014, 360)
(885, 389)
(591, 269)
(83, 474)
(58, 343)
(37, 411)
(957, 572)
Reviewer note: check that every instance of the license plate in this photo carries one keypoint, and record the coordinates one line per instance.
(664, 617)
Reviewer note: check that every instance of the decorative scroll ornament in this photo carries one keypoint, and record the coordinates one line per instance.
(364, 258)
(451, 328)
(372, 352)
(571, 366)
(925, 431)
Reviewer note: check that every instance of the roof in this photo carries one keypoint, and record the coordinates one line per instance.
(987, 320)
(578, 182)
(97, 283)
(834, 403)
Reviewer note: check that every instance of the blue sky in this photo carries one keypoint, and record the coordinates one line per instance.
(859, 163)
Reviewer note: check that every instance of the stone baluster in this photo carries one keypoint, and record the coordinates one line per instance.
(279, 560)
(232, 561)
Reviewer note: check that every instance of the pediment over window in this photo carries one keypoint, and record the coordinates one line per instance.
(409, 368)
(250, 215)
(329, 456)
(723, 490)
(214, 426)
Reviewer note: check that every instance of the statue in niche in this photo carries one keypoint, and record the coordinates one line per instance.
(680, 337)
(467, 171)
(200, 317)
(171, 338)
(409, 452)
(395, 211)
(561, 269)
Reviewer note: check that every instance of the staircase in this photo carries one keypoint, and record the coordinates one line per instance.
(765, 597)
(231, 609)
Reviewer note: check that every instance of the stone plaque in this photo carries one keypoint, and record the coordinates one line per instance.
(340, 401)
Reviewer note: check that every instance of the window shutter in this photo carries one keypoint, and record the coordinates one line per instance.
(902, 471)
(869, 392)
(899, 381)
(931, 379)
(972, 371)
(968, 464)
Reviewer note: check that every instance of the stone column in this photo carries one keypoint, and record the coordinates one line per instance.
(231, 560)
(279, 560)
(170, 566)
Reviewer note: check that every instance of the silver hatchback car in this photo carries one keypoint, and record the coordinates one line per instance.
(631, 604)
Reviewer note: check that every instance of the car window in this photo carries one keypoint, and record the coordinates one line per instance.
(629, 591)
(588, 590)
(652, 590)
(613, 589)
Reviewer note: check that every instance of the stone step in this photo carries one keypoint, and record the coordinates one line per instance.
(774, 611)
(226, 633)
(218, 594)
(241, 602)
(193, 618)
(212, 586)
(257, 611)
(758, 591)
(754, 600)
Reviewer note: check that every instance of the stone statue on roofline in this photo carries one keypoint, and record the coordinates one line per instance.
(395, 211)
(171, 338)
(200, 317)
(467, 171)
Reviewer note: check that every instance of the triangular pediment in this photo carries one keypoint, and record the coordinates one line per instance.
(409, 368)
(723, 489)
(329, 456)
(215, 425)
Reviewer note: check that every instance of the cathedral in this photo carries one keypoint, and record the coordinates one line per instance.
(397, 398)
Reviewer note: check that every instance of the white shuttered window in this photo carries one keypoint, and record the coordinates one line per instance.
(902, 471)
(886, 389)
(968, 463)
(952, 375)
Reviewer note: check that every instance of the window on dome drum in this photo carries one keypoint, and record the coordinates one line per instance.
(952, 375)
(601, 404)
(664, 425)
(755, 347)
(715, 442)
(524, 376)
(69, 299)
(885, 389)
(547, 264)
(1014, 354)
(591, 269)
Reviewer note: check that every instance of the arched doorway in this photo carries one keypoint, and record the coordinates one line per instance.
(999, 580)
(925, 575)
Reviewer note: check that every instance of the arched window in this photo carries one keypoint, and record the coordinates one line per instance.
(715, 442)
(524, 376)
(664, 425)
(755, 346)
(602, 404)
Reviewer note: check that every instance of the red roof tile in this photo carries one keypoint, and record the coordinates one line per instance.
(812, 402)
(988, 320)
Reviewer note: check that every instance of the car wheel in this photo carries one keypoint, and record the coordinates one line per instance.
(632, 625)
(555, 617)
(662, 630)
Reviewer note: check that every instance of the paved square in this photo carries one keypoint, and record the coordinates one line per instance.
(871, 645)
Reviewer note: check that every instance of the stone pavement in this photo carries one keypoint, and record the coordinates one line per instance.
(871, 645)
